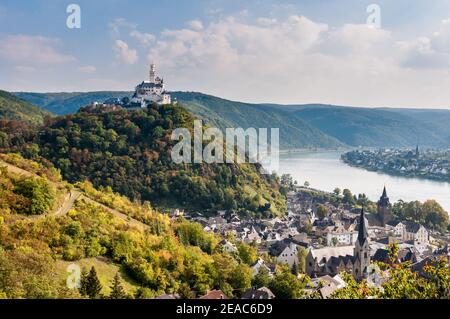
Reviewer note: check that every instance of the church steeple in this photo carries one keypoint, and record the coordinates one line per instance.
(384, 193)
(384, 209)
(362, 249)
(362, 231)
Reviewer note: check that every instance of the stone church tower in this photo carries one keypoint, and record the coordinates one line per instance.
(384, 209)
(362, 250)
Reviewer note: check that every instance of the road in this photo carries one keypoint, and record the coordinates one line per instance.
(71, 198)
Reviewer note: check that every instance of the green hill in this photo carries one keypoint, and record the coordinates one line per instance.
(163, 256)
(301, 126)
(67, 103)
(130, 151)
(14, 108)
(372, 127)
(294, 131)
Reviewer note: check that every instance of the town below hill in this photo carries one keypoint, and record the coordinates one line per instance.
(430, 164)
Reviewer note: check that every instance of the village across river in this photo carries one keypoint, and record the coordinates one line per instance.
(325, 171)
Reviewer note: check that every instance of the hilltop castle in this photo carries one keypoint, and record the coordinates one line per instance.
(151, 91)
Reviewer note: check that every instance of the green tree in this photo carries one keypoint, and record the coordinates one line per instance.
(435, 216)
(117, 291)
(285, 285)
(247, 253)
(302, 254)
(90, 284)
(337, 191)
(39, 192)
(348, 197)
(262, 278)
(322, 211)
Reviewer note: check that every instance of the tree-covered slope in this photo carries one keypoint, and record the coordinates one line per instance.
(14, 108)
(67, 103)
(130, 151)
(309, 125)
(294, 132)
(371, 127)
(99, 229)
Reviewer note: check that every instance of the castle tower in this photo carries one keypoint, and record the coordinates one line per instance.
(362, 249)
(384, 208)
(152, 73)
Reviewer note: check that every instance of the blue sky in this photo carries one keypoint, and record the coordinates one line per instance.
(257, 51)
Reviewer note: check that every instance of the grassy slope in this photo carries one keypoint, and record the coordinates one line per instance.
(14, 108)
(106, 270)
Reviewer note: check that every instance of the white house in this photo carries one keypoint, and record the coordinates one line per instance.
(342, 237)
(408, 230)
(289, 255)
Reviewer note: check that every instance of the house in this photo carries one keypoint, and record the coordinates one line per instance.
(286, 252)
(261, 293)
(340, 236)
(413, 231)
(404, 255)
(214, 294)
(228, 246)
(260, 265)
(327, 285)
(252, 236)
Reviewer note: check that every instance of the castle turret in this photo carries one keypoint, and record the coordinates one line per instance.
(384, 209)
(362, 249)
(152, 73)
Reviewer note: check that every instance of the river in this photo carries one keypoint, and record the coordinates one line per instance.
(325, 171)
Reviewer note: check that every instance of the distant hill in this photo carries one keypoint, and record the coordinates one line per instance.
(301, 126)
(373, 127)
(14, 108)
(67, 103)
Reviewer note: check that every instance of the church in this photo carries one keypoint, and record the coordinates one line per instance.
(151, 91)
(334, 260)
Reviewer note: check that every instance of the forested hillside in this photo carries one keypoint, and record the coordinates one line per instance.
(129, 151)
(155, 256)
(301, 126)
(14, 108)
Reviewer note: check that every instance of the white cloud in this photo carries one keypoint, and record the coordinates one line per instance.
(87, 69)
(127, 55)
(32, 50)
(144, 39)
(118, 24)
(297, 60)
(195, 24)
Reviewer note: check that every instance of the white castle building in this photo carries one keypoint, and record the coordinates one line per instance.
(151, 91)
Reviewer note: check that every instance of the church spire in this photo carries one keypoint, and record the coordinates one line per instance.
(384, 192)
(362, 231)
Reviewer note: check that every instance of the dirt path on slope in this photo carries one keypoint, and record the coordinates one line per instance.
(71, 198)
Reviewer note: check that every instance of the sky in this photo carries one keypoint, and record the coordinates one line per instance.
(290, 52)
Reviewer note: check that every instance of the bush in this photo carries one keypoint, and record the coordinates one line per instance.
(40, 194)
